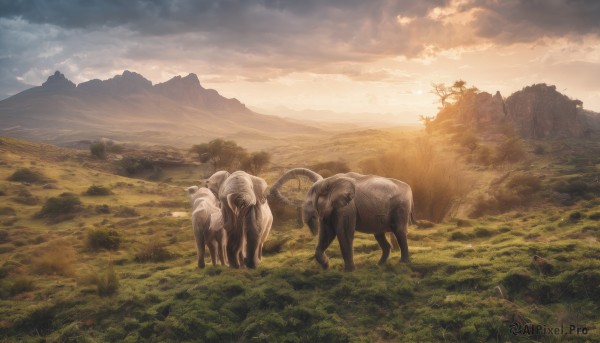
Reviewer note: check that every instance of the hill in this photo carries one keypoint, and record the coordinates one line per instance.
(129, 108)
(120, 266)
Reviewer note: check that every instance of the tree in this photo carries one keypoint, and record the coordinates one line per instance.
(458, 88)
(221, 154)
(98, 149)
(442, 92)
(256, 162)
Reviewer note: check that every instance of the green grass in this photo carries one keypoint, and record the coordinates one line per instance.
(469, 280)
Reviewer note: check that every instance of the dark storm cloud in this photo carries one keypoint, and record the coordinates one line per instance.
(528, 20)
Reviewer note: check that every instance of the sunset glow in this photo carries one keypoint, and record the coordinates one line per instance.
(345, 56)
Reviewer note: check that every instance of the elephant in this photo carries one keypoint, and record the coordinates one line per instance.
(246, 216)
(340, 204)
(207, 225)
(215, 181)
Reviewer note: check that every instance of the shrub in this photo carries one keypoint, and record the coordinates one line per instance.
(103, 209)
(7, 211)
(103, 239)
(437, 183)
(27, 175)
(126, 212)
(98, 190)
(66, 203)
(539, 149)
(458, 236)
(510, 150)
(3, 236)
(256, 162)
(57, 258)
(152, 251)
(98, 150)
(107, 282)
(484, 155)
(26, 198)
(573, 187)
(517, 191)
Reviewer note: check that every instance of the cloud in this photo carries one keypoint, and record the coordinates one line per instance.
(528, 20)
(262, 40)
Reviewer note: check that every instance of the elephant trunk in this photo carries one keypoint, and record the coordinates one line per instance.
(275, 192)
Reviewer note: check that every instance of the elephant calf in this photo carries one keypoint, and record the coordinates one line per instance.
(207, 223)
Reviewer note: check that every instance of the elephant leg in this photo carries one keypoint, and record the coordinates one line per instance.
(222, 248)
(200, 245)
(345, 235)
(403, 242)
(233, 251)
(385, 248)
(213, 253)
(326, 236)
(234, 237)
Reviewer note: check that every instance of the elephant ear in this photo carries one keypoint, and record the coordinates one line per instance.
(341, 191)
(260, 189)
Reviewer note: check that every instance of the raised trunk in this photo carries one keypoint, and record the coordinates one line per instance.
(275, 192)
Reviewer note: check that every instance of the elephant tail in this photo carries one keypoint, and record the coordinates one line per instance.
(412, 214)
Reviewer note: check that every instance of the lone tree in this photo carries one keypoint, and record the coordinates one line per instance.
(256, 162)
(221, 154)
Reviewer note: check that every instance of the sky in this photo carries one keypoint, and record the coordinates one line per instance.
(375, 56)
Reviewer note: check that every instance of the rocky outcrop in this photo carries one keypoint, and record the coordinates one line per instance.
(540, 111)
(476, 110)
(536, 112)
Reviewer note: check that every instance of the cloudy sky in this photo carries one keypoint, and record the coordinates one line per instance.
(378, 56)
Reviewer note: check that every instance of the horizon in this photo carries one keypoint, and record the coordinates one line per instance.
(378, 57)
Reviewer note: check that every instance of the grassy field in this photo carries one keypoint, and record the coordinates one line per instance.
(121, 266)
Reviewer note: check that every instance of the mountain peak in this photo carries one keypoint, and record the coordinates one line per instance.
(58, 80)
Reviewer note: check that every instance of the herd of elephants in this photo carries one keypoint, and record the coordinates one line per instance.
(231, 215)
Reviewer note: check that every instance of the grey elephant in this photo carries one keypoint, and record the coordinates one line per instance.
(340, 204)
(246, 216)
(207, 225)
(215, 181)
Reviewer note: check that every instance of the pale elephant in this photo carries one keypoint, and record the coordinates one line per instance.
(340, 204)
(246, 216)
(208, 226)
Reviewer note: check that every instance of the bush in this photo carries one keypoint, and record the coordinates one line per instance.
(256, 162)
(573, 187)
(518, 191)
(27, 175)
(510, 150)
(98, 190)
(103, 209)
(55, 259)
(107, 282)
(98, 150)
(437, 183)
(126, 212)
(103, 239)
(152, 251)
(7, 211)
(66, 203)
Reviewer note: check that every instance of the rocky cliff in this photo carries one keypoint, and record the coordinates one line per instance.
(536, 112)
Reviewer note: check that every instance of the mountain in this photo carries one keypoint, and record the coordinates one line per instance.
(538, 111)
(129, 107)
